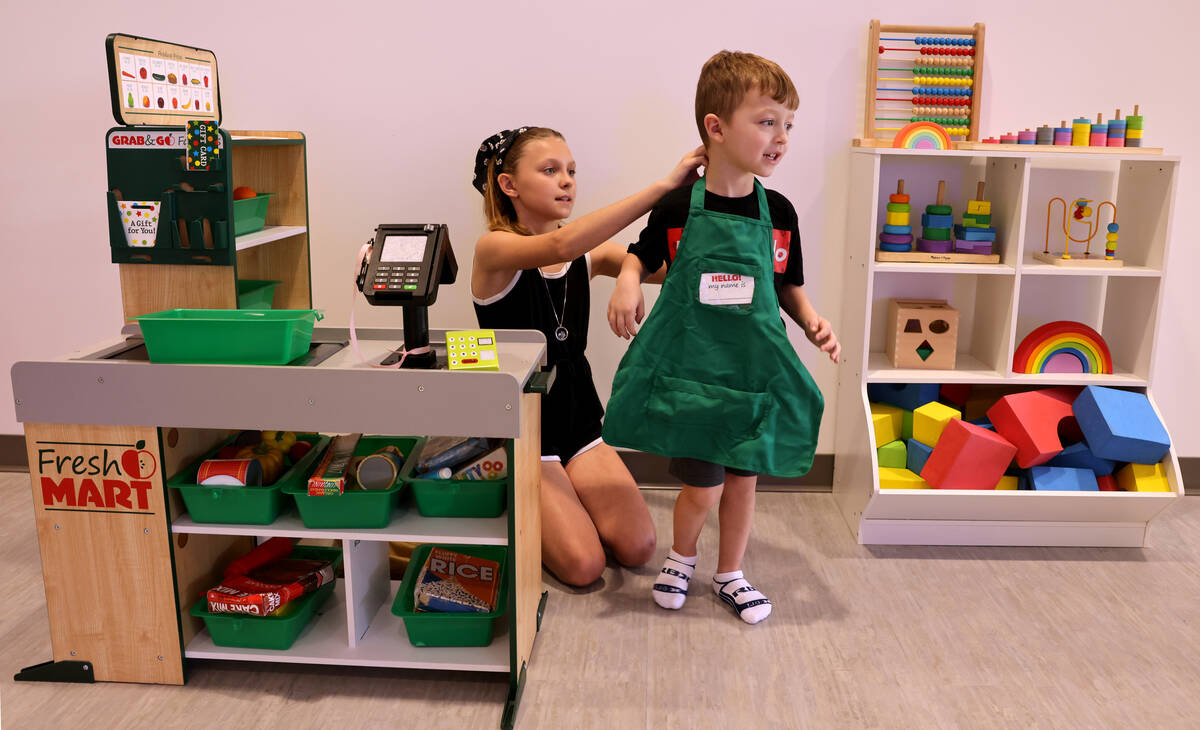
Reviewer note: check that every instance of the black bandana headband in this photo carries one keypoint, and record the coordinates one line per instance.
(494, 148)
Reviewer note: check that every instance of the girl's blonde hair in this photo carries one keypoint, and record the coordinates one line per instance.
(498, 207)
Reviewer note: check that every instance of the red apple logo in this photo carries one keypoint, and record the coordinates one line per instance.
(139, 463)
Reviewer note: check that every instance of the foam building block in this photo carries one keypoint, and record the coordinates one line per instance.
(918, 454)
(983, 423)
(1030, 421)
(955, 394)
(1008, 483)
(886, 421)
(1063, 478)
(908, 396)
(930, 420)
(967, 457)
(1143, 478)
(900, 479)
(906, 421)
(1121, 425)
(893, 455)
(1081, 457)
(1107, 483)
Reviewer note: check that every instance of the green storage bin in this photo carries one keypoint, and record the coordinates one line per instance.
(243, 505)
(256, 294)
(358, 508)
(431, 628)
(460, 498)
(228, 336)
(250, 214)
(269, 632)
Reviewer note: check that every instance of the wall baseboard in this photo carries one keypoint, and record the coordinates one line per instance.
(646, 469)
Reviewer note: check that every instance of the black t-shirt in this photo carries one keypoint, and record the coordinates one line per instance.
(660, 237)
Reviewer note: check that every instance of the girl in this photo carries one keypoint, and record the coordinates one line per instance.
(532, 271)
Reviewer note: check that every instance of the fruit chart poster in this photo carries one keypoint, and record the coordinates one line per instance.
(159, 83)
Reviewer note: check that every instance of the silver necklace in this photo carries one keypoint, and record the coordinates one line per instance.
(560, 332)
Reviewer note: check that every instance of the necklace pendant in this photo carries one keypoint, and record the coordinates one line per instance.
(560, 333)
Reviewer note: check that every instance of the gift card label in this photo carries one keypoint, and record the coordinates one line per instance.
(721, 289)
(203, 144)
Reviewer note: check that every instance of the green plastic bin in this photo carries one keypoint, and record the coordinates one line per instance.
(460, 498)
(358, 508)
(269, 632)
(434, 628)
(256, 294)
(250, 214)
(243, 505)
(228, 336)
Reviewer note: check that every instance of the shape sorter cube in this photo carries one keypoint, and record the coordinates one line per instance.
(922, 333)
(887, 422)
(929, 421)
(893, 455)
(1031, 421)
(1143, 478)
(968, 457)
(1121, 425)
(908, 396)
(900, 479)
(1063, 478)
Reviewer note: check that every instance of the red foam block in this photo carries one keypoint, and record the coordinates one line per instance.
(956, 393)
(1107, 483)
(1031, 422)
(967, 457)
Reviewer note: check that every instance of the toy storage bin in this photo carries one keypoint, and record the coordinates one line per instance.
(250, 214)
(244, 505)
(269, 632)
(358, 508)
(256, 294)
(228, 336)
(435, 628)
(460, 497)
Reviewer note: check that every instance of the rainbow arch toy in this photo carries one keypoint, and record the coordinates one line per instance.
(1063, 347)
(922, 136)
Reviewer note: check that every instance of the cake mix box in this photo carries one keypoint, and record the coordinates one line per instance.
(270, 586)
(456, 583)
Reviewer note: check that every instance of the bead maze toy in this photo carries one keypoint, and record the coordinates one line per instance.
(1063, 347)
(922, 74)
(938, 243)
(1085, 214)
(1118, 135)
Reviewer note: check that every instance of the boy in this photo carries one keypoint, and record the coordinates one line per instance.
(712, 380)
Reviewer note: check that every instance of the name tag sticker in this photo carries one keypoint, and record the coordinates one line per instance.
(720, 289)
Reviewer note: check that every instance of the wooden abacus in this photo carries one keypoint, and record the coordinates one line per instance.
(941, 83)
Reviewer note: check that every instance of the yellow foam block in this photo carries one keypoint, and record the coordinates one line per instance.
(979, 207)
(897, 219)
(930, 420)
(890, 478)
(1143, 478)
(888, 422)
(1007, 483)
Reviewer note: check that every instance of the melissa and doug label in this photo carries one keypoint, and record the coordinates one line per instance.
(724, 289)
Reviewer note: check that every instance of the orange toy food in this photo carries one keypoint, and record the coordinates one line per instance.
(242, 192)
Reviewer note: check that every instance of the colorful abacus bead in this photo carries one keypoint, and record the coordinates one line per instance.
(1110, 241)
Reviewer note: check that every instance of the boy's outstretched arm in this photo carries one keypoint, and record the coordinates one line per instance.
(816, 328)
(627, 305)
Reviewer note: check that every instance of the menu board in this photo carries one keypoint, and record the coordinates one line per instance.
(163, 84)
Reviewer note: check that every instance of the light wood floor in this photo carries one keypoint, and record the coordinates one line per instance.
(860, 638)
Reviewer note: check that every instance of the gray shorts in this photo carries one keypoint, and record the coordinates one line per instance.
(697, 473)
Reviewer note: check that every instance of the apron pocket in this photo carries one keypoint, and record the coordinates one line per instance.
(727, 285)
(686, 405)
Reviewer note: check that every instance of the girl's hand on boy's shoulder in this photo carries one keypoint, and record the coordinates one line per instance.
(687, 171)
(820, 333)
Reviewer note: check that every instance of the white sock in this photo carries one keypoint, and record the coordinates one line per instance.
(671, 589)
(746, 601)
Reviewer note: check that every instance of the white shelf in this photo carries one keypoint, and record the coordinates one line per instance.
(968, 369)
(1113, 380)
(385, 644)
(1031, 266)
(266, 235)
(406, 526)
(913, 268)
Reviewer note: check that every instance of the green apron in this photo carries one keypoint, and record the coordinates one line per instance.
(709, 377)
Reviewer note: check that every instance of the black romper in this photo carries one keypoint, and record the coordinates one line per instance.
(571, 411)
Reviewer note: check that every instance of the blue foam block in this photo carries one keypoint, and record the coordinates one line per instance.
(1081, 457)
(918, 454)
(1120, 425)
(908, 396)
(897, 230)
(1063, 478)
(983, 423)
(929, 220)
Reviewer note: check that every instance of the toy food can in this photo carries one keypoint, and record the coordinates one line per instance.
(379, 471)
(230, 473)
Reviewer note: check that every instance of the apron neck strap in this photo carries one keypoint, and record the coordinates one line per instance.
(764, 213)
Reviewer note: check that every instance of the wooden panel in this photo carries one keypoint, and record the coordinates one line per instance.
(527, 518)
(973, 134)
(106, 559)
(275, 169)
(147, 288)
(872, 80)
(285, 261)
(199, 559)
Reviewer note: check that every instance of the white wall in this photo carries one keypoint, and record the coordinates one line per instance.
(395, 98)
